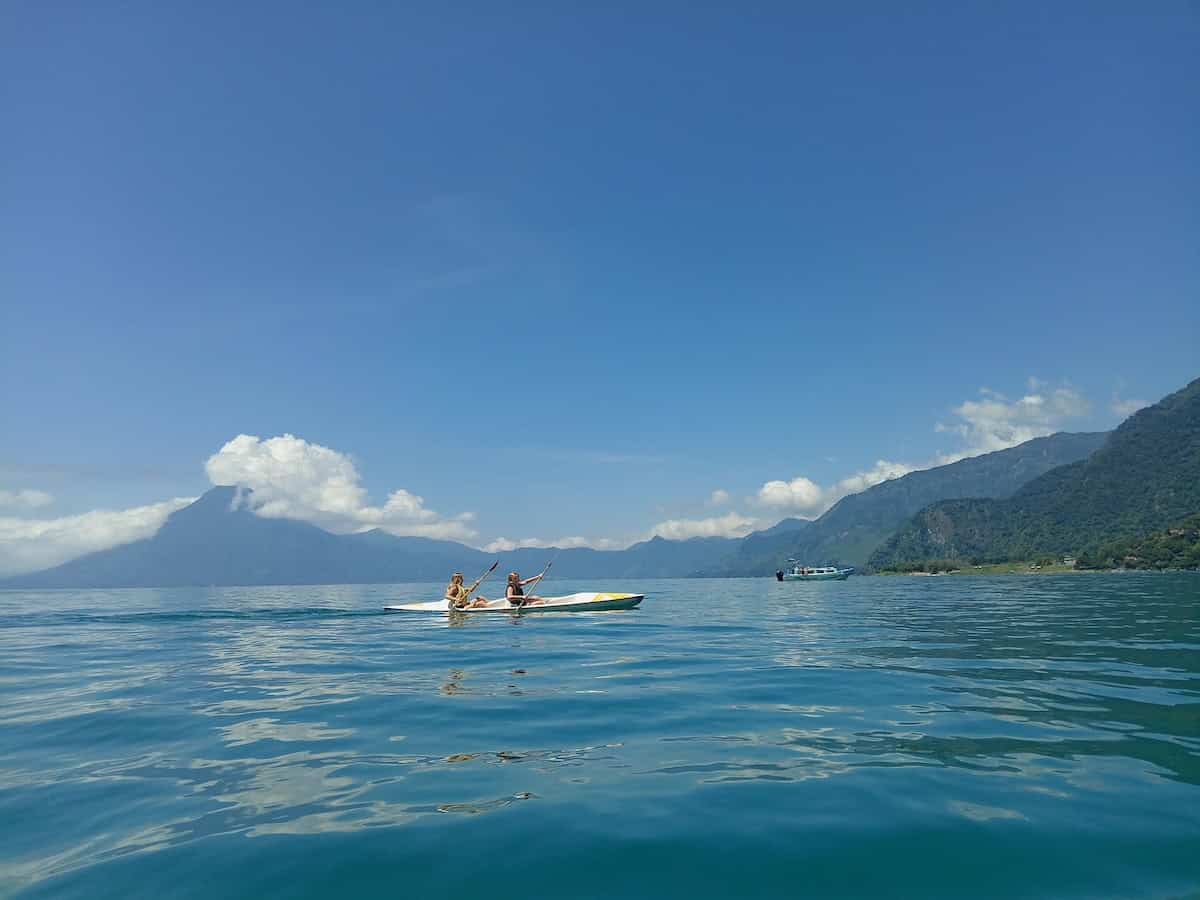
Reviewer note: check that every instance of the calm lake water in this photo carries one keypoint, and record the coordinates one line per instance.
(908, 737)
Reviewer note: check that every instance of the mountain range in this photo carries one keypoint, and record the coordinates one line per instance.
(1144, 478)
(1069, 494)
(220, 540)
(853, 527)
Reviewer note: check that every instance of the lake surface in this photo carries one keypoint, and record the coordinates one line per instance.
(907, 737)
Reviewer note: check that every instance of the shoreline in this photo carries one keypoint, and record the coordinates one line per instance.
(1019, 569)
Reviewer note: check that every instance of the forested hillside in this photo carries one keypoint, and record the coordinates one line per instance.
(849, 531)
(1145, 477)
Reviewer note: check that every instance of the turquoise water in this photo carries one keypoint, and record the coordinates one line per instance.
(908, 737)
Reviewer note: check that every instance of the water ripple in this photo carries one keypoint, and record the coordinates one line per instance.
(1052, 721)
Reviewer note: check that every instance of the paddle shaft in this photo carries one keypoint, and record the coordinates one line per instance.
(535, 582)
(481, 578)
(538, 580)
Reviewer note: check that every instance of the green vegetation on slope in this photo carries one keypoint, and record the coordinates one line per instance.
(1146, 476)
(1174, 547)
(857, 524)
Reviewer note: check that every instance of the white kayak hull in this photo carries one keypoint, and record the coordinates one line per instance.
(585, 601)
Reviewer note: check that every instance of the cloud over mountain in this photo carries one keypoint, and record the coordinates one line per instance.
(805, 497)
(729, 525)
(994, 422)
(30, 544)
(292, 478)
(504, 545)
(990, 423)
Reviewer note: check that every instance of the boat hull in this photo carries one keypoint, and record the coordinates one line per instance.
(588, 601)
(832, 576)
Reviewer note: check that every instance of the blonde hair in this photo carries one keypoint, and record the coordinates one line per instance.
(513, 577)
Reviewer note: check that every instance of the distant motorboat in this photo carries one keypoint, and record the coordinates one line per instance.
(814, 573)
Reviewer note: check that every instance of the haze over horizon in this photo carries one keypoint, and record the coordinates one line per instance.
(575, 277)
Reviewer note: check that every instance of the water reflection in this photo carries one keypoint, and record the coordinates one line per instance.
(251, 731)
(477, 807)
(453, 683)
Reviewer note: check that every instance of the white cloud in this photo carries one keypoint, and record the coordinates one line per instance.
(883, 470)
(990, 423)
(1126, 408)
(996, 423)
(294, 479)
(799, 495)
(24, 499)
(27, 545)
(729, 525)
(718, 497)
(503, 544)
(805, 497)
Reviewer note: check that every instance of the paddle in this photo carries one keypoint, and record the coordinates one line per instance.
(535, 582)
(479, 581)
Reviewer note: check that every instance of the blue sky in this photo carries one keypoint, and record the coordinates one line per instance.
(572, 271)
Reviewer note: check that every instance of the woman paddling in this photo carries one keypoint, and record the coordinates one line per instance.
(458, 596)
(516, 590)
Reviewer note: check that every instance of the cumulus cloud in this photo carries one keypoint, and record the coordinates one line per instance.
(27, 545)
(718, 497)
(729, 525)
(883, 470)
(803, 496)
(798, 495)
(503, 544)
(24, 499)
(993, 422)
(292, 478)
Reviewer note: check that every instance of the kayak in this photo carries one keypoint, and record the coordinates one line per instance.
(588, 600)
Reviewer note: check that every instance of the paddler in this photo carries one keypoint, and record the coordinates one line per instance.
(515, 592)
(458, 596)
